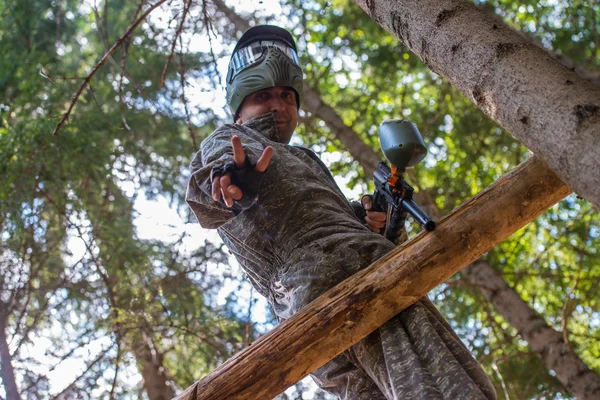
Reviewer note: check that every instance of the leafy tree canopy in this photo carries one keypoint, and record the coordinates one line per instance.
(76, 270)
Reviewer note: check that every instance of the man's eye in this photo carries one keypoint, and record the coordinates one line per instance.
(289, 96)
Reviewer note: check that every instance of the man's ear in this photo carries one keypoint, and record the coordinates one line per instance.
(239, 121)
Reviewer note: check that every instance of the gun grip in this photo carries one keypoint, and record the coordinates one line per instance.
(379, 202)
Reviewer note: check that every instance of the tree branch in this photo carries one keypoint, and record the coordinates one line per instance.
(186, 9)
(101, 62)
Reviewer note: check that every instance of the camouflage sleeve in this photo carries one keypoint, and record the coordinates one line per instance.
(216, 153)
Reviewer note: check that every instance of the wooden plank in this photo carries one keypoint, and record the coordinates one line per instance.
(365, 301)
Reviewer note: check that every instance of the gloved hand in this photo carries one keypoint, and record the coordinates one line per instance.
(223, 185)
(374, 219)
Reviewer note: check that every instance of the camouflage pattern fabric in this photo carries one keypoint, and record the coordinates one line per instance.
(296, 236)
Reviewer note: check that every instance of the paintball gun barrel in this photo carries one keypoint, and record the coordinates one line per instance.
(403, 147)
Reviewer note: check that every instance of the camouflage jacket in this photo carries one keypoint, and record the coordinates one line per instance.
(294, 233)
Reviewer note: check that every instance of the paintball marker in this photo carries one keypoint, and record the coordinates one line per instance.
(403, 147)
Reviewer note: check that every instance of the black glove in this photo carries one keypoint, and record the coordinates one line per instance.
(245, 177)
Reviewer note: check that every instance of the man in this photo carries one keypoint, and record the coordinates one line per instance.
(282, 215)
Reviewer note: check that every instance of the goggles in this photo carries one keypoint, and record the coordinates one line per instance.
(254, 53)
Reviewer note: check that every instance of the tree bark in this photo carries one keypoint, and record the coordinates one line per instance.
(548, 107)
(549, 344)
(6, 369)
(365, 301)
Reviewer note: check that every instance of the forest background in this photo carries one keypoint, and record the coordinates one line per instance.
(109, 288)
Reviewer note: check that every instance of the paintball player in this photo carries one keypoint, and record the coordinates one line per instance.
(279, 211)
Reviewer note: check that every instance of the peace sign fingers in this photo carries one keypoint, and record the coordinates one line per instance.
(239, 156)
(222, 187)
(264, 160)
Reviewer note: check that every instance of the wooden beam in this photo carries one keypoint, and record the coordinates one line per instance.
(356, 307)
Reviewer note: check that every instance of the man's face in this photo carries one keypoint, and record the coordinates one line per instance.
(281, 101)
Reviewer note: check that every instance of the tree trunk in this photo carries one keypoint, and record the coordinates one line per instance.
(111, 260)
(548, 107)
(6, 369)
(359, 305)
(549, 344)
(150, 365)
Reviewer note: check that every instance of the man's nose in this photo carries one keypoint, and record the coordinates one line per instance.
(276, 104)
